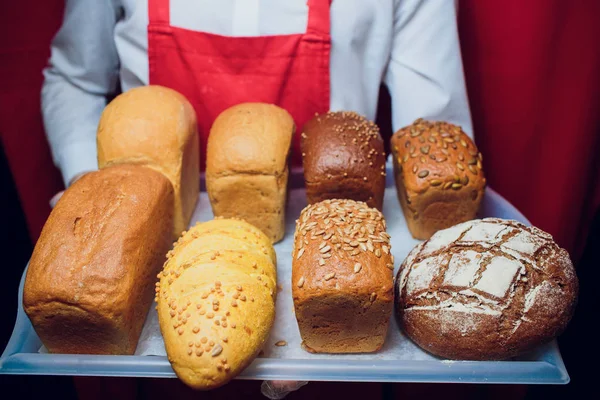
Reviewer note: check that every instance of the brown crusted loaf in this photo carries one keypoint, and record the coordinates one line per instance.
(247, 165)
(342, 277)
(156, 127)
(90, 280)
(216, 300)
(439, 176)
(343, 158)
(485, 290)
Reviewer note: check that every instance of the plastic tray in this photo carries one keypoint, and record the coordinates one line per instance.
(543, 366)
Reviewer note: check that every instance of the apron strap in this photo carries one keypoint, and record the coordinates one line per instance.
(318, 17)
(158, 12)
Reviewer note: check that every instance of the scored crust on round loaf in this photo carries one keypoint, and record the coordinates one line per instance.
(485, 289)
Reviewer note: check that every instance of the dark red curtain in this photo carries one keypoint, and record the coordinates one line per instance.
(533, 75)
(532, 69)
(26, 29)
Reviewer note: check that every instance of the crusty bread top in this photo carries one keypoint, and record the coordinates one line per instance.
(341, 246)
(93, 240)
(342, 144)
(480, 273)
(252, 138)
(437, 155)
(147, 125)
(156, 127)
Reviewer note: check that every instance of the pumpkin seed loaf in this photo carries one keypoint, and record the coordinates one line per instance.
(439, 176)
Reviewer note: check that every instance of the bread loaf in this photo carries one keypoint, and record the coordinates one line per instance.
(343, 158)
(342, 277)
(156, 127)
(439, 176)
(216, 301)
(485, 290)
(247, 165)
(90, 280)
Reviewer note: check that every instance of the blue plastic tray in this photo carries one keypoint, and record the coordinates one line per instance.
(543, 366)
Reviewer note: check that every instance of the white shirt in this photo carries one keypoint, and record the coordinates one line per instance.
(410, 45)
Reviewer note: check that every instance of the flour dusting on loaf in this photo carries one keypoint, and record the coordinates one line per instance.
(495, 287)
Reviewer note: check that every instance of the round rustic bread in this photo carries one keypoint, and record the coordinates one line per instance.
(485, 290)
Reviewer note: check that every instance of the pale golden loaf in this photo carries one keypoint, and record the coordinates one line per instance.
(156, 127)
(90, 280)
(216, 300)
(342, 282)
(247, 165)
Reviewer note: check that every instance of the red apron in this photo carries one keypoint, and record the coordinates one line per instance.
(216, 72)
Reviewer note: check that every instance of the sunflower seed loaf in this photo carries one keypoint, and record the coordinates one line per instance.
(342, 273)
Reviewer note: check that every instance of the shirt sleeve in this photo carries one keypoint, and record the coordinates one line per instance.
(82, 72)
(425, 73)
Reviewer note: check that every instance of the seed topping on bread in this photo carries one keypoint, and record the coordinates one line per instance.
(345, 227)
(439, 141)
(356, 130)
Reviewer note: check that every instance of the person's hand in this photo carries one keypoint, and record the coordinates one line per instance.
(276, 390)
(58, 195)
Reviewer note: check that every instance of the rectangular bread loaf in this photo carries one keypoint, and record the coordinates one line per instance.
(438, 174)
(247, 165)
(91, 277)
(342, 277)
(156, 127)
(343, 158)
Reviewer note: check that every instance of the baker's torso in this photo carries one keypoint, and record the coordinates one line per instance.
(361, 34)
